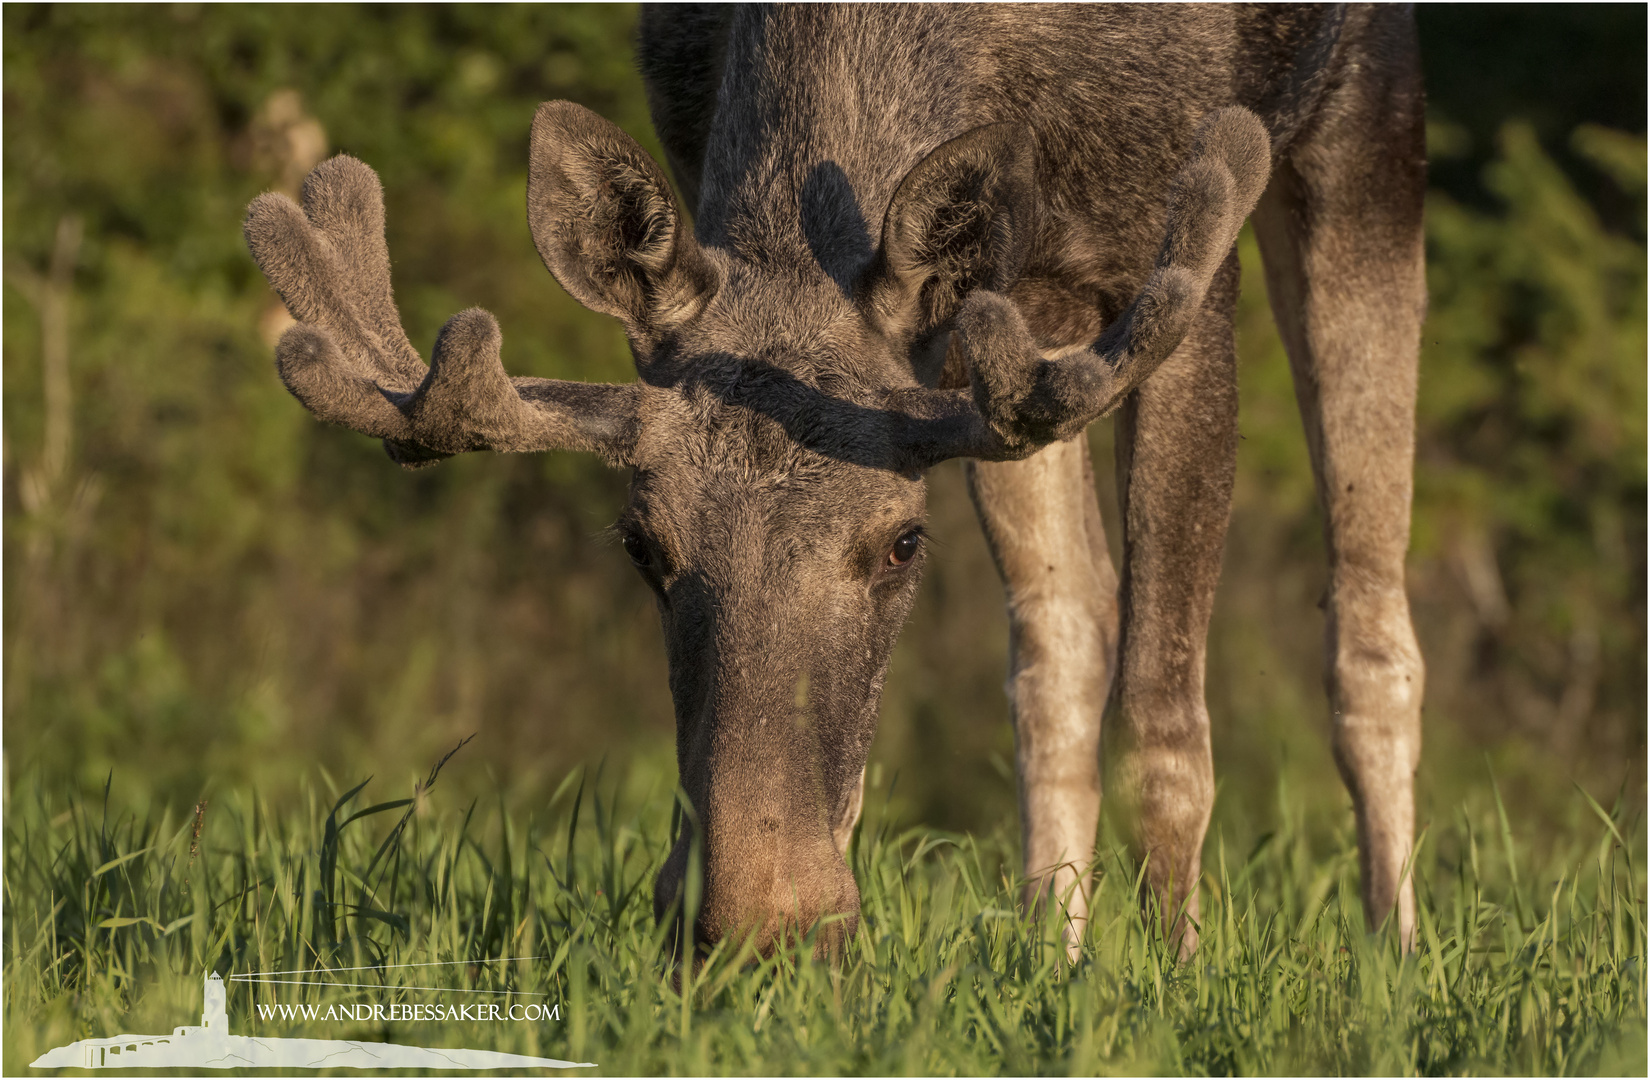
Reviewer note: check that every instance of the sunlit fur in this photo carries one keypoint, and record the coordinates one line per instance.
(915, 233)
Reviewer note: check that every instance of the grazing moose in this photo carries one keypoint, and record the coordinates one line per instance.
(923, 233)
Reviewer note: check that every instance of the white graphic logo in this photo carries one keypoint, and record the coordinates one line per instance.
(210, 1046)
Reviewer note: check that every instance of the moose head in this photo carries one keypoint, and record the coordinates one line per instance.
(777, 434)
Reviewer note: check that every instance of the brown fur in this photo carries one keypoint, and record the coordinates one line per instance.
(926, 232)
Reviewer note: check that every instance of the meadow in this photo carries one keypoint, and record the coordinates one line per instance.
(220, 617)
(1527, 963)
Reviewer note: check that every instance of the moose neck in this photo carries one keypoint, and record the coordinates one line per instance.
(820, 113)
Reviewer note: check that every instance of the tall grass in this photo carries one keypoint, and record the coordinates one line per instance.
(1525, 964)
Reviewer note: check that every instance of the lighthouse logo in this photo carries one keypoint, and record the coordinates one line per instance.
(211, 1046)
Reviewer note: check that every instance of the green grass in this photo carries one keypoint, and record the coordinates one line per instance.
(1528, 963)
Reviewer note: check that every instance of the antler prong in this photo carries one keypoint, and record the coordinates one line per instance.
(1027, 401)
(330, 386)
(350, 363)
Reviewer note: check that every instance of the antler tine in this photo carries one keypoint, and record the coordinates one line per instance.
(350, 363)
(469, 403)
(335, 388)
(329, 263)
(1027, 402)
(344, 199)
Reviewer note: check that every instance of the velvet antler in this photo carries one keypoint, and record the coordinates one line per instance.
(349, 361)
(1019, 401)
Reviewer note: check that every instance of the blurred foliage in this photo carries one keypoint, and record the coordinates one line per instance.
(205, 587)
(1532, 460)
(1550, 65)
(212, 569)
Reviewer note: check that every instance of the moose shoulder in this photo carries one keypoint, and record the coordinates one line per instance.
(922, 233)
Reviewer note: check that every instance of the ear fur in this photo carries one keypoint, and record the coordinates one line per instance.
(607, 225)
(964, 218)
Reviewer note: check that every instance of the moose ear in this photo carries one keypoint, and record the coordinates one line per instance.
(607, 226)
(963, 219)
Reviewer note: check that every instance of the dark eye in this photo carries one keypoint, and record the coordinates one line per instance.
(636, 548)
(905, 548)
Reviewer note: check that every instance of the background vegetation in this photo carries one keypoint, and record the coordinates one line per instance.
(206, 592)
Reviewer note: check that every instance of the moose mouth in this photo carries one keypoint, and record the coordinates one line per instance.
(771, 763)
(750, 906)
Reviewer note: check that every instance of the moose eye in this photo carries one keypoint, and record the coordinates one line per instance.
(905, 548)
(636, 548)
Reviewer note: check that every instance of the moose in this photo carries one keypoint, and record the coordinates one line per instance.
(921, 233)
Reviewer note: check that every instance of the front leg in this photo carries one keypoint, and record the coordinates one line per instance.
(1042, 522)
(1176, 460)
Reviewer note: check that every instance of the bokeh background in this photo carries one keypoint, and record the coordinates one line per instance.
(205, 588)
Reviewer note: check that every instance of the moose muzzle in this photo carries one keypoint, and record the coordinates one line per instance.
(755, 862)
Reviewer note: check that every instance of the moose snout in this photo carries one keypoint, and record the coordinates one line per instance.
(759, 887)
(767, 738)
